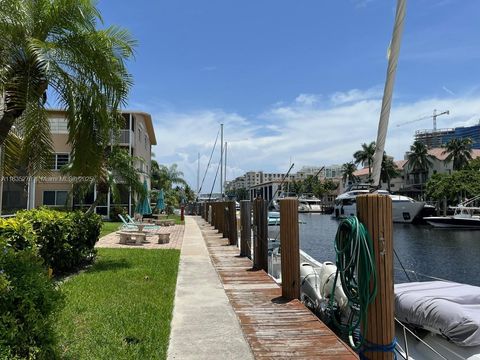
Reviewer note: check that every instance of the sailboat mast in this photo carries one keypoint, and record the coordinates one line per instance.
(221, 161)
(225, 173)
(394, 51)
(198, 174)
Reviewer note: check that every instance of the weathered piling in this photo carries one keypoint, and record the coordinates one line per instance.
(375, 212)
(290, 248)
(232, 223)
(245, 228)
(260, 255)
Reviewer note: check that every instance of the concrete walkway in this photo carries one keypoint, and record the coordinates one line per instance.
(204, 325)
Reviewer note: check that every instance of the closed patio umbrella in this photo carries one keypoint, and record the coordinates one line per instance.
(143, 206)
(160, 201)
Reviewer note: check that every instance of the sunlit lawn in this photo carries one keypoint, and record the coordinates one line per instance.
(109, 227)
(121, 307)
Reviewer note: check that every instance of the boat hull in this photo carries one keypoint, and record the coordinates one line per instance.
(402, 211)
(450, 222)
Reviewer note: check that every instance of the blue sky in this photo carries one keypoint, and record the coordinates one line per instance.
(298, 80)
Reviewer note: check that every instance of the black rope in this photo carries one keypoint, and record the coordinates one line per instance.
(399, 261)
(214, 180)
(208, 165)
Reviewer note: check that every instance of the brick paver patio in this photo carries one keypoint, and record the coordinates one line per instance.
(176, 238)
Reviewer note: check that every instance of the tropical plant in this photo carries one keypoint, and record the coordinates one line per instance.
(54, 47)
(419, 160)
(348, 170)
(164, 177)
(117, 167)
(389, 170)
(459, 151)
(365, 157)
(454, 187)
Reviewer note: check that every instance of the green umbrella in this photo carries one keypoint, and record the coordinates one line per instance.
(143, 206)
(160, 201)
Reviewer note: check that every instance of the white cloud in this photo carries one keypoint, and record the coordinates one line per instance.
(306, 131)
(308, 99)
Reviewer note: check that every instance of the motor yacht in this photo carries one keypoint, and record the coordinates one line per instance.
(404, 209)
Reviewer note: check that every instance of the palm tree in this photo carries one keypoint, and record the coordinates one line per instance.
(118, 167)
(164, 177)
(54, 47)
(347, 172)
(365, 156)
(460, 151)
(389, 170)
(419, 160)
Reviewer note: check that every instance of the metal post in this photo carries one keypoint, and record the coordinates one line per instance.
(290, 249)
(221, 161)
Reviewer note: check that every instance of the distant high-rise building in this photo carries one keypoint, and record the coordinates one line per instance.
(435, 139)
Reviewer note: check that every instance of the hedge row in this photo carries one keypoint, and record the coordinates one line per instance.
(30, 243)
(65, 240)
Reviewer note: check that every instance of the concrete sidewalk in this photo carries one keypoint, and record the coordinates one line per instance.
(204, 325)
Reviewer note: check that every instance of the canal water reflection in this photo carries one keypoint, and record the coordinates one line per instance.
(448, 254)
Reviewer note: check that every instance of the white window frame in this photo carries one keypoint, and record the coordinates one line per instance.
(55, 161)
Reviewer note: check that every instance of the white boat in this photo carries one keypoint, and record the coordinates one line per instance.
(465, 216)
(433, 319)
(309, 203)
(404, 209)
(273, 218)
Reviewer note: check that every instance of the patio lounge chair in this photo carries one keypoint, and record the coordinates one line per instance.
(126, 225)
(146, 225)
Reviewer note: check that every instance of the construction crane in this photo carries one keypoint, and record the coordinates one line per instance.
(434, 117)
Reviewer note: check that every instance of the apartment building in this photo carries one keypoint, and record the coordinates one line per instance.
(136, 135)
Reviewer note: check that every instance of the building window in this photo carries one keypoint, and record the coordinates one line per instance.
(55, 198)
(60, 160)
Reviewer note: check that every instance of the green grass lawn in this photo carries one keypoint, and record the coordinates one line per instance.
(176, 218)
(109, 227)
(121, 307)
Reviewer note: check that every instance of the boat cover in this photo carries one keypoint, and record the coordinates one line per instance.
(448, 308)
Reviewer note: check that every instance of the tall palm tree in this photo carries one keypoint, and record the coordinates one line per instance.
(365, 157)
(460, 151)
(389, 170)
(347, 172)
(164, 177)
(54, 47)
(118, 167)
(419, 160)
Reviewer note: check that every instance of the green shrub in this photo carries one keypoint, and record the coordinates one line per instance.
(65, 240)
(28, 300)
(17, 233)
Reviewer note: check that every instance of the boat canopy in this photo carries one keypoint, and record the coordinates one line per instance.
(446, 308)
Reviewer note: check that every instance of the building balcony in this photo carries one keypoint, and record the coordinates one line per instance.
(124, 138)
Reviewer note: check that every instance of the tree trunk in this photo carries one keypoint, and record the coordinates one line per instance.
(12, 111)
(6, 123)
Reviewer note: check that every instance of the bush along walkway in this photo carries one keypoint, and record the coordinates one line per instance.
(121, 307)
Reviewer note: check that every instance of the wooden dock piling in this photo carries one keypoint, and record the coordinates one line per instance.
(290, 248)
(260, 214)
(375, 212)
(245, 228)
(232, 223)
